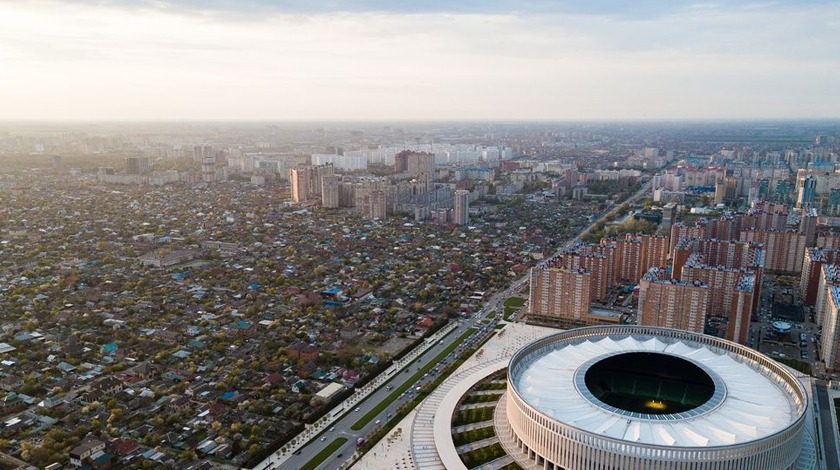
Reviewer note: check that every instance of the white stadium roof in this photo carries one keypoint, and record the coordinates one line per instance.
(753, 405)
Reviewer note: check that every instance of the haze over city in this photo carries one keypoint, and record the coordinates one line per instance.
(376, 60)
(419, 235)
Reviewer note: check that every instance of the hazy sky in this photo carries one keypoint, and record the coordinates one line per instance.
(372, 60)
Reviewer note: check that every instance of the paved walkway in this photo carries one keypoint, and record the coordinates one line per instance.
(489, 392)
(473, 406)
(423, 446)
(420, 442)
(504, 434)
(477, 445)
(472, 426)
(278, 457)
(496, 464)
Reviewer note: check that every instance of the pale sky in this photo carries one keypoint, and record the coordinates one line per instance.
(427, 60)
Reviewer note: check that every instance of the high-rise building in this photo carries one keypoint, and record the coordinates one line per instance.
(378, 204)
(669, 214)
(208, 168)
(301, 180)
(731, 293)
(594, 259)
(638, 253)
(672, 304)
(830, 338)
(726, 253)
(136, 165)
(829, 276)
(57, 163)
(809, 280)
(681, 230)
(808, 220)
(370, 198)
(330, 191)
(462, 207)
(827, 312)
(200, 152)
(806, 191)
(318, 172)
(417, 164)
(726, 190)
(784, 250)
(560, 296)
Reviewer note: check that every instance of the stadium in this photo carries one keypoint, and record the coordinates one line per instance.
(653, 398)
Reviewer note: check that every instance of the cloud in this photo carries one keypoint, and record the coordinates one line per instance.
(639, 9)
(383, 60)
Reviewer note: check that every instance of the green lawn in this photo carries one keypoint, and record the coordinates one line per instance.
(472, 399)
(474, 435)
(492, 386)
(474, 415)
(515, 302)
(508, 312)
(511, 466)
(491, 315)
(483, 455)
(318, 459)
(411, 381)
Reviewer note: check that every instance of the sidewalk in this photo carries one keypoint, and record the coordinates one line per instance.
(313, 430)
(392, 455)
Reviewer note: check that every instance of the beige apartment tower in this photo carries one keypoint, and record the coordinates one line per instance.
(671, 304)
(560, 296)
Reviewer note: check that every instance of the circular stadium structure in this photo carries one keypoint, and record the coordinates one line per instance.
(635, 397)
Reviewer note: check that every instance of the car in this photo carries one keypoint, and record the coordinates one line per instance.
(378, 421)
(332, 429)
(356, 410)
(339, 455)
(323, 439)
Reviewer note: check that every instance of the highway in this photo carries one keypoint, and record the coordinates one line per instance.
(405, 371)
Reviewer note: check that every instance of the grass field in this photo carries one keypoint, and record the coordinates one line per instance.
(473, 436)
(321, 456)
(483, 455)
(367, 418)
(511, 306)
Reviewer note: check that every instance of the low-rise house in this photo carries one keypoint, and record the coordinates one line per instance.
(303, 352)
(107, 386)
(10, 383)
(84, 453)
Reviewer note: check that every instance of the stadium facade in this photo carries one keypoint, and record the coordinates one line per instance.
(636, 397)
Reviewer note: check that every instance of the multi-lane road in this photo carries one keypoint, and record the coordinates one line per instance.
(404, 371)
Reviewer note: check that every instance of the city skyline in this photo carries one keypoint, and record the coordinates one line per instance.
(374, 61)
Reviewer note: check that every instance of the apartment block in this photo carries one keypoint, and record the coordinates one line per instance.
(560, 296)
(672, 304)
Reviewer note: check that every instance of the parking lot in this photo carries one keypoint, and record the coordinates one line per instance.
(783, 331)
